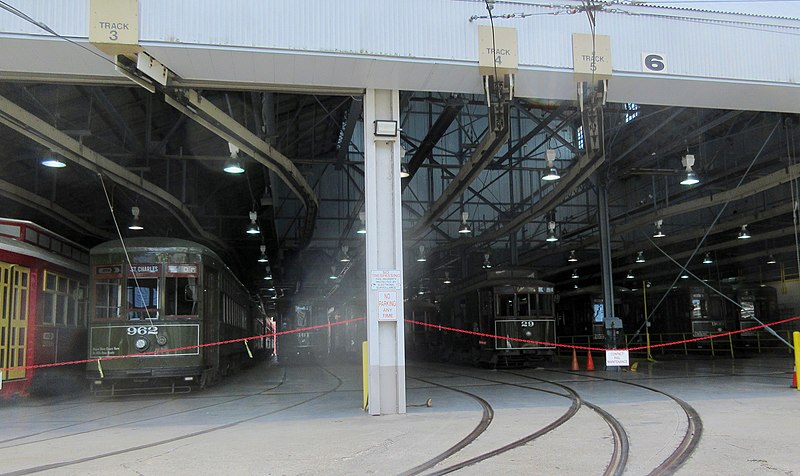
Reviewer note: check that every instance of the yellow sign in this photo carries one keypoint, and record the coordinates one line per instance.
(591, 57)
(114, 26)
(497, 51)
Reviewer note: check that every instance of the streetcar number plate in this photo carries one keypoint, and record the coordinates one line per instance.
(142, 330)
(527, 323)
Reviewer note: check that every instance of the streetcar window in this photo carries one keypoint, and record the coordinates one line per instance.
(505, 304)
(142, 295)
(522, 305)
(546, 305)
(180, 297)
(107, 305)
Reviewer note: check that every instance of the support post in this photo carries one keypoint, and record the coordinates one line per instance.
(384, 257)
(612, 324)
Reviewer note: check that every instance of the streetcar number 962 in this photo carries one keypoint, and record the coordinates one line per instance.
(527, 323)
(142, 330)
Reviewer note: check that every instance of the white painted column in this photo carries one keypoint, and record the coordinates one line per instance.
(387, 360)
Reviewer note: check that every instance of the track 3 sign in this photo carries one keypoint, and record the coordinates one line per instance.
(387, 306)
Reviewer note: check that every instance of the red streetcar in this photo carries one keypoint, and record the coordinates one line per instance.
(43, 291)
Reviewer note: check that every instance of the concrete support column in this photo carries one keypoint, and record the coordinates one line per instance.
(385, 336)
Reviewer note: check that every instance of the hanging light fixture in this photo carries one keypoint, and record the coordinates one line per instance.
(51, 160)
(333, 273)
(252, 228)
(487, 261)
(344, 257)
(464, 228)
(771, 260)
(404, 171)
(233, 165)
(362, 230)
(552, 172)
(658, 233)
(136, 223)
(684, 276)
(551, 232)
(446, 278)
(630, 275)
(575, 274)
(743, 233)
(707, 259)
(572, 258)
(263, 257)
(691, 177)
(268, 276)
(640, 257)
(421, 254)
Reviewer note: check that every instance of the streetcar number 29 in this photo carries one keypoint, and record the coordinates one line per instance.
(142, 330)
(527, 323)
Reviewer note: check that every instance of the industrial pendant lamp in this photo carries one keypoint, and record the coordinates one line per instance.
(575, 274)
(52, 161)
(136, 223)
(630, 275)
(263, 257)
(446, 278)
(771, 260)
(487, 261)
(691, 177)
(572, 258)
(551, 232)
(362, 229)
(344, 257)
(552, 172)
(464, 228)
(743, 233)
(421, 254)
(707, 259)
(640, 257)
(658, 233)
(233, 165)
(252, 228)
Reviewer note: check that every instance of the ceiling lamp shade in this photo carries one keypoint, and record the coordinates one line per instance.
(333, 273)
(136, 223)
(743, 233)
(691, 177)
(658, 233)
(552, 171)
(572, 258)
(707, 259)
(640, 257)
(362, 230)
(421, 254)
(551, 232)
(630, 275)
(344, 257)
(771, 260)
(464, 228)
(575, 274)
(487, 261)
(252, 228)
(404, 171)
(52, 161)
(233, 165)
(263, 257)
(446, 278)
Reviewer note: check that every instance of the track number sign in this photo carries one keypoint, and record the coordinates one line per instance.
(654, 63)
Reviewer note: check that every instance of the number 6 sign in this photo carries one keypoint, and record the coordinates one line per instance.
(654, 63)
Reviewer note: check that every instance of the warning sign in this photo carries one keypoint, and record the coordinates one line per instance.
(617, 358)
(385, 279)
(387, 306)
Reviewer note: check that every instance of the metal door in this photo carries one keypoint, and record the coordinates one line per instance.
(13, 319)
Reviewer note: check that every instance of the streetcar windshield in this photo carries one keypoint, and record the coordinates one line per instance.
(142, 298)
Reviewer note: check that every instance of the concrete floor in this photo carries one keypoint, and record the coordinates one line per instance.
(306, 419)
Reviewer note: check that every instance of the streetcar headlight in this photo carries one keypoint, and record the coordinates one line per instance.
(140, 344)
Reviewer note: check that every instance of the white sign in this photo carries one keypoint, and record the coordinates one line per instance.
(654, 63)
(591, 57)
(385, 279)
(387, 306)
(617, 358)
(497, 51)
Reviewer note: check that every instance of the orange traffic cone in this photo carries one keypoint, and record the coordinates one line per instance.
(589, 362)
(794, 378)
(575, 365)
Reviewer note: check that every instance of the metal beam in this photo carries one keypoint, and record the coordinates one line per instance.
(40, 131)
(202, 111)
(435, 133)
